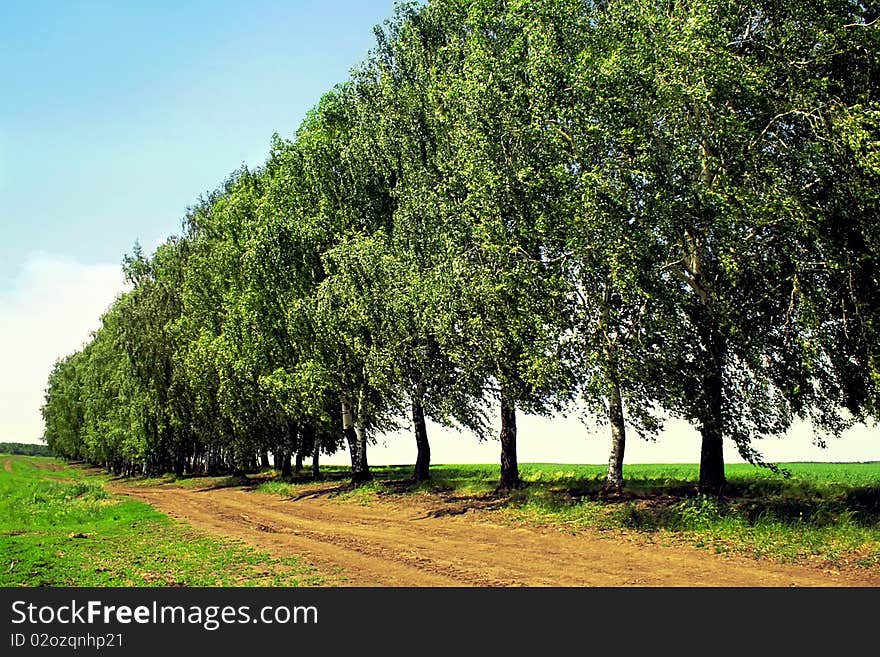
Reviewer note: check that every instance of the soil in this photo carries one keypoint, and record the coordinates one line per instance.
(426, 540)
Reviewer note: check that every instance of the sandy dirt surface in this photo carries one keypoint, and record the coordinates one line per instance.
(431, 540)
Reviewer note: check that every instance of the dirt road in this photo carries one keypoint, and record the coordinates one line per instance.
(427, 540)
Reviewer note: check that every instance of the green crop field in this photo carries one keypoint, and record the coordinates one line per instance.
(60, 527)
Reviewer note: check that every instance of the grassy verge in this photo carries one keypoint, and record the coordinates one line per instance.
(60, 527)
(826, 515)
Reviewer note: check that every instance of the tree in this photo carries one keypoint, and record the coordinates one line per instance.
(714, 175)
(507, 292)
(336, 197)
(396, 95)
(62, 410)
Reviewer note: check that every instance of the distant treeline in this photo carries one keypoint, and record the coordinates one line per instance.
(626, 210)
(24, 449)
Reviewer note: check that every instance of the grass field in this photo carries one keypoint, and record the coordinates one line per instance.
(824, 513)
(60, 527)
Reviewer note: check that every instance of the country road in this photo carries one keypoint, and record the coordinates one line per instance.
(430, 540)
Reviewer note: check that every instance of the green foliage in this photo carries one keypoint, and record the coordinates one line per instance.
(25, 449)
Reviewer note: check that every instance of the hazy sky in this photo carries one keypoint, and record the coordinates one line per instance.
(116, 116)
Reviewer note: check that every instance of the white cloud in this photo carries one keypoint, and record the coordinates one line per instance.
(47, 312)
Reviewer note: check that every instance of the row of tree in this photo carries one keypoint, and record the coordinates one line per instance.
(633, 209)
(24, 449)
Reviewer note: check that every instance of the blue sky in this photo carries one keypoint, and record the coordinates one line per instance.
(116, 116)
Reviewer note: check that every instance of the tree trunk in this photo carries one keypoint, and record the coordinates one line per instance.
(363, 470)
(309, 445)
(614, 478)
(264, 460)
(290, 432)
(285, 463)
(350, 437)
(316, 458)
(710, 402)
(299, 462)
(423, 456)
(355, 436)
(509, 465)
(712, 478)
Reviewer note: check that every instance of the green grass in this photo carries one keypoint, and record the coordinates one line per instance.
(394, 479)
(827, 514)
(819, 513)
(61, 527)
(189, 481)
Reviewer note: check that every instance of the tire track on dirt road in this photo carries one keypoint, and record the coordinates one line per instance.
(415, 541)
